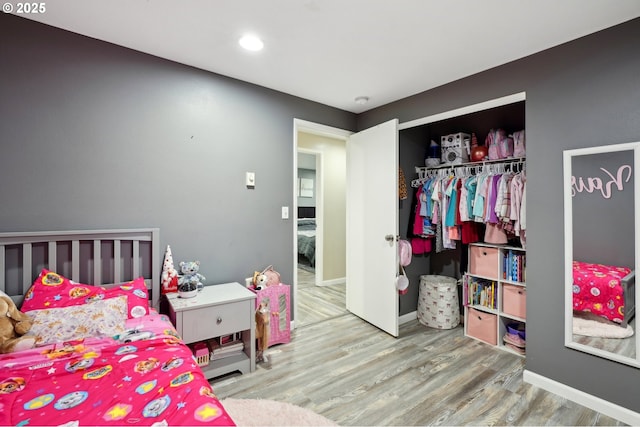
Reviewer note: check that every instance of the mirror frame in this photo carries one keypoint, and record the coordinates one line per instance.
(568, 155)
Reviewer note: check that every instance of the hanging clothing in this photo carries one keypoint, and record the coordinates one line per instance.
(420, 231)
(467, 207)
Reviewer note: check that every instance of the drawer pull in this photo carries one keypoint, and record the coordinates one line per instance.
(218, 320)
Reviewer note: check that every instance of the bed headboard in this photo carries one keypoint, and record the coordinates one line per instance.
(93, 257)
(306, 211)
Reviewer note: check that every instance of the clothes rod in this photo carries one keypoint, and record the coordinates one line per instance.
(474, 164)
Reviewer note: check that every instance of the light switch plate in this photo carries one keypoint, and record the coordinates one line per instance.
(285, 212)
(250, 179)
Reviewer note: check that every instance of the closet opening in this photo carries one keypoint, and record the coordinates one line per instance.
(414, 149)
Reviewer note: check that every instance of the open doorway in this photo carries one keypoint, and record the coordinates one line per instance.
(320, 222)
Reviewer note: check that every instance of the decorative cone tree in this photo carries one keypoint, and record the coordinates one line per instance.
(169, 277)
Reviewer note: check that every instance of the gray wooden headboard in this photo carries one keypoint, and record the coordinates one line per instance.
(92, 257)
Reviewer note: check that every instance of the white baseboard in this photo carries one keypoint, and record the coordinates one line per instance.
(406, 318)
(597, 404)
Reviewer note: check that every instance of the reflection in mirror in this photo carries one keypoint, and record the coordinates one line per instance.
(283, 312)
(600, 251)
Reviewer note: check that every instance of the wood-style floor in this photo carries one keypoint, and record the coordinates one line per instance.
(351, 372)
(318, 303)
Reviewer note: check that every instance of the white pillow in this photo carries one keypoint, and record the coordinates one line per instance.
(101, 318)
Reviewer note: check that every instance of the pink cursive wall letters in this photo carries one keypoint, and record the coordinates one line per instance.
(604, 186)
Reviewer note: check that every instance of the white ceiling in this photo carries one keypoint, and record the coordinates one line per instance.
(332, 51)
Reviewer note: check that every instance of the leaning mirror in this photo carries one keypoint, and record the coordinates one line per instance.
(601, 236)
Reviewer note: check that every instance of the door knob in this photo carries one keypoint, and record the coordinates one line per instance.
(390, 237)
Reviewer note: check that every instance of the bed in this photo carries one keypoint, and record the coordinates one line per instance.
(307, 239)
(605, 290)
(307, 234)
(104, 356)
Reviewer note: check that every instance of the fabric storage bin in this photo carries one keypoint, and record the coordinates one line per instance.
(482, 326)
(484, 261)
(438, 305)
(514, 300)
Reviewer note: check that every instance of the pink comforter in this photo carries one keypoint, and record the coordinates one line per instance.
(151, 379)
(598, 288)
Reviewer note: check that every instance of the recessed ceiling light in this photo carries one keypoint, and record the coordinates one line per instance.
(251, 42)
(361, 100)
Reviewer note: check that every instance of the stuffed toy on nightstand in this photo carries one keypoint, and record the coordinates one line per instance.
(191, 281)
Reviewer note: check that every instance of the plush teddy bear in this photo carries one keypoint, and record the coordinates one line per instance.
(190, 280)
(13, 326)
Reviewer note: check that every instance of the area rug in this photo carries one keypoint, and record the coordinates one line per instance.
(591, 325)
(263, 412)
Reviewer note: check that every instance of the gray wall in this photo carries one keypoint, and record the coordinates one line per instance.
(581, 94)
(98, 136)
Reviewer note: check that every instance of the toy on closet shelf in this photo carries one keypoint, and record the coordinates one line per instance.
(191, 280)
(433, 158)
(478, 152)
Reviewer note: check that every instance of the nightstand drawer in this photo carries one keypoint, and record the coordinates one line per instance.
(203, 323)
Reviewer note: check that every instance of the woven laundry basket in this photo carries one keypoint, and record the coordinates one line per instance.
(438, 302)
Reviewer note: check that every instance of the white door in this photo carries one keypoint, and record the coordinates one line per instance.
(372, 225)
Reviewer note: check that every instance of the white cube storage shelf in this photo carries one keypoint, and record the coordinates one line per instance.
(494, 292)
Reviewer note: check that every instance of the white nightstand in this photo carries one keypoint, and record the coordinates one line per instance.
(216, 311)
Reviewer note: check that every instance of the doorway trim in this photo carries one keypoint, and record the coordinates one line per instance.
(313, 128)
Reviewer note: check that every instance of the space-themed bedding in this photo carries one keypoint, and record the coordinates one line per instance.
(144, 375)
(599, 289)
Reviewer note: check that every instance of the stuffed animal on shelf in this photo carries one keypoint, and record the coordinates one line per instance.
(14, 324)
(191, 281)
